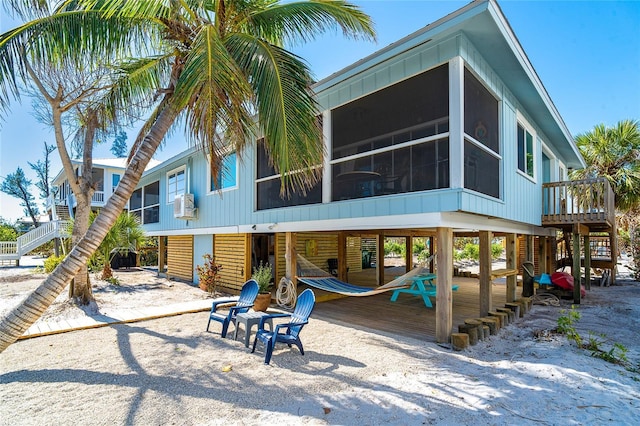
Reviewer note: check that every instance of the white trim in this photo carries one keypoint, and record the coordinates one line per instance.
(175, 171)
(425, 221)
(437, 137)
(229, 188)
(456, 122)
(328, 143)
(522, 121)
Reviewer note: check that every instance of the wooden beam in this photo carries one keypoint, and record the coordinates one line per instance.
(380, 260)
(342, 256)
(432, 249)
(542, 254)
(444, 299)
(162, 249)
(552, 254)
(575, 269)
(580, 229)
(587, 262)
(512, 260)
(485, 273)
(291, 260)
(248, 270)
(408, 254)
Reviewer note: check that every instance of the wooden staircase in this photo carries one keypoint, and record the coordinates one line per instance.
(583, 208)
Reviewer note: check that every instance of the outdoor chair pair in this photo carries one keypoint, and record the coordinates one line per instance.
(288, 333)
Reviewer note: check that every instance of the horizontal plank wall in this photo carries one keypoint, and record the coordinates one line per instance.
(326, 247)
(354, 254)
(280, 261)
(180, 257)
(230, 251)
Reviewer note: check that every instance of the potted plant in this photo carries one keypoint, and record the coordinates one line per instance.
(263, 275)
(208, 274)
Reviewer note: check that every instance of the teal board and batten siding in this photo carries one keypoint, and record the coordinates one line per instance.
(228, 208)
(202, 244)
(520, 197)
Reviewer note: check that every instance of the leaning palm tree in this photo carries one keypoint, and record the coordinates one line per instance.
(215, 63)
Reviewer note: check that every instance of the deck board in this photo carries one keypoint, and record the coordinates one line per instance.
(408, 316)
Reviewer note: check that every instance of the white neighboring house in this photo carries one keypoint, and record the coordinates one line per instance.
(106, 173)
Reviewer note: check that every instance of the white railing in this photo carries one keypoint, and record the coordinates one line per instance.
(97, 198)
(8, 247)
(35, 238)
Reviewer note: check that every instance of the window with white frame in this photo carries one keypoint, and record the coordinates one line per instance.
(525, 150)
(481, 138)
(394, 140)
(145, 203)
(115, 180)
(269, 183)
(227, 175)
(176, 180)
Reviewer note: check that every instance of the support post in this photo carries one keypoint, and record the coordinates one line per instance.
(575, 268)
(248, 249)
(342, 257)
(162, 249)
(291, 261)
(432, 249)
(587, 262)
(542, 254)
(380, 260)
(444, 300)
(486, 301)
(408, 254)
(553, 254)
(512, 256)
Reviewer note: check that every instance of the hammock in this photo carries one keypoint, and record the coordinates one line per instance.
(310, 274)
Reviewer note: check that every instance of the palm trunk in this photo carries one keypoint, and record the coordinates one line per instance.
(80, 290)
(17, 321)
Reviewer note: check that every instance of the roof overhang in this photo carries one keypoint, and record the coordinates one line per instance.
(485, 26)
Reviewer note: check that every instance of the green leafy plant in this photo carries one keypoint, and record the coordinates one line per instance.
(209, 274)
(113, 280)
(52, 262)
(263, 274)
(617, 353)
(566, 326)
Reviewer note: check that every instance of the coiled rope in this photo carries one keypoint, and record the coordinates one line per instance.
(286, 294)
(546, 299)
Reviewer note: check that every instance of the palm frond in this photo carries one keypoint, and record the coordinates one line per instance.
(303, 21)
(214, 93)
(286, 109)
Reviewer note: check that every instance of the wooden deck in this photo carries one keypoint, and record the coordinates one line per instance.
(408, 316)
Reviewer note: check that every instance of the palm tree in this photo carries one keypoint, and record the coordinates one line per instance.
(124, 235)
(613, 153)
(215, 63)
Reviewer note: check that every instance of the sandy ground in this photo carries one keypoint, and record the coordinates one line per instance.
(171, 371)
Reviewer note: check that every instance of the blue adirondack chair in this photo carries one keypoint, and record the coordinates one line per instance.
(242, 304)
(288, 333)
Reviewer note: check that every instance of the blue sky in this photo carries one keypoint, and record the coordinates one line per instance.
(587, 54)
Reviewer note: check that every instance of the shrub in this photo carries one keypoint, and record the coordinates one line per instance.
(496, 250)
(393, 247)
(208, 273)
(263, 274)
(52, 263)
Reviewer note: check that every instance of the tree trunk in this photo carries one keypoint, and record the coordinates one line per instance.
(81, 291)
(18, 320)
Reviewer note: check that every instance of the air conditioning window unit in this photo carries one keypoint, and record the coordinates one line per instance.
(184, 207)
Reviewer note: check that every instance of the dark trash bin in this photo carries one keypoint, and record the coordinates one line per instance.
(527, 279)
(366, 259)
